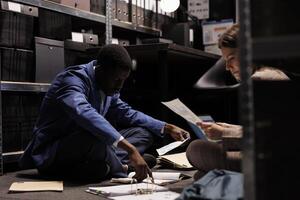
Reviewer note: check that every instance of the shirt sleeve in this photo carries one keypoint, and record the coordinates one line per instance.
(117, 141)
(72, 98)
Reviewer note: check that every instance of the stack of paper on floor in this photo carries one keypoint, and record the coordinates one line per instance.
(163, 178)
(37, 186)
(178, 160)
(121, 190)
(168, 195)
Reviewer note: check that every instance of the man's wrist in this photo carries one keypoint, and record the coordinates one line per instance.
(129, 148)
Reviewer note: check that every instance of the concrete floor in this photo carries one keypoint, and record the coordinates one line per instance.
(72, 191)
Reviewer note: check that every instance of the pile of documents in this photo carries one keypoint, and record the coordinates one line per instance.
(130, 191)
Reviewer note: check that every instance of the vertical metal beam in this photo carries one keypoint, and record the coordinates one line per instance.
(246, 100)
(1, 132)
(108, 23)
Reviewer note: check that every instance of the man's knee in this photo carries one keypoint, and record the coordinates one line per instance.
(139, 134)
(206, 155)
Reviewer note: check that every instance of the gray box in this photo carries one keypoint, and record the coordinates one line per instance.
(49, 59)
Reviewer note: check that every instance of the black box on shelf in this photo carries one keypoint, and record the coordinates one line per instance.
(16, 64)
(88, 38)
(19, 8)
(16, 30)
(179, 33)
(78, 53)
(124, 42)
(54, 25)
(49, 56)
(19, 115)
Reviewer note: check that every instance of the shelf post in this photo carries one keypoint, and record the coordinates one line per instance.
(246, 101)
(108, 23)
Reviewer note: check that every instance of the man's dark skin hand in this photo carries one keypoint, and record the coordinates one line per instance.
(141, 168)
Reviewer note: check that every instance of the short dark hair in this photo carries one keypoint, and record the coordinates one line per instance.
(229, 39)
(115, 56)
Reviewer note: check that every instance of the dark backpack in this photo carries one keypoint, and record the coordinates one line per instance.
(215, 185)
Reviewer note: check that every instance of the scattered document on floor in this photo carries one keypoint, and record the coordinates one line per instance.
(167, 195)
(121, 190)
(165, 149)
(178, 160)
(163, 178)
(182, 110)
(36, 186)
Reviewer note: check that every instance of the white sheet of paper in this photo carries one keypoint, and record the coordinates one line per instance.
(120, 190)
(168, 195)
(182, 110)
(36, 186)
(165, 149)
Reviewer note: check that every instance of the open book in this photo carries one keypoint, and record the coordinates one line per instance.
(178, 160)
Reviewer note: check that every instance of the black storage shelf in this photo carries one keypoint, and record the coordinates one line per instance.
(276, 47)
(24, 86)
(88, 15)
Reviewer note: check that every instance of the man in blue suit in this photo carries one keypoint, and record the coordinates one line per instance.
(73, 136)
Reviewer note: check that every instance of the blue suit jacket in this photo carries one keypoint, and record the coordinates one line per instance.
(73, 104)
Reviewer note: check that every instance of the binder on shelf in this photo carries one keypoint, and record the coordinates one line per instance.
(19, 115)
(49, 59)
(17, 28)
(16, 65)
(160, 16)
(114, 9)
(133, 12)
(79, 4)
(125, 10)
(54, 25)
(98, 6)
(19, 8)
(153, 8)
(147, 15)
(119, 4)
(140, 12)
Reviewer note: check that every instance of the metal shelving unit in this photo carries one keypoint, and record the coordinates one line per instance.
(269, 36)
(88, 16)
(274, 47)
(24, 86)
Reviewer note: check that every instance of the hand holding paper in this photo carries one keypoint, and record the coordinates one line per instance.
(176, 133)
